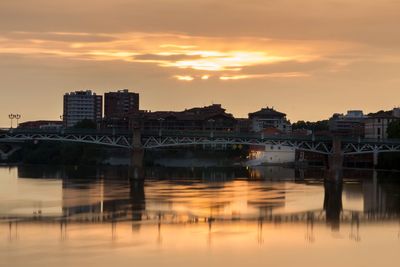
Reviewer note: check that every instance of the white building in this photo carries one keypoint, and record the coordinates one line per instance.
(81, 105)
(376, 125)
(269, 118)
(272, 155)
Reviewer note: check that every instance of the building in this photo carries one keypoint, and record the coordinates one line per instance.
(376, 125)
(208, 118)
(271, 155)
(81, 105)
(119, 108)
(269, 118)
(351, 124)
(41, 124)
(243, 125)
(121, 103)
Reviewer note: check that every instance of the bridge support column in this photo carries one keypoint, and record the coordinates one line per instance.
(375, 159)
(336, 159)
(137, 155)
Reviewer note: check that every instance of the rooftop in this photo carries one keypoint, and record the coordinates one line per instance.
(267, 112)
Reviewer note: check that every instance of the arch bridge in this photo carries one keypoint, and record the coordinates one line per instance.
(158, 139)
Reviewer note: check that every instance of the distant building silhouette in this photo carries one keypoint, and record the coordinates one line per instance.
(212, 117)
(41, 124)
(351, 124)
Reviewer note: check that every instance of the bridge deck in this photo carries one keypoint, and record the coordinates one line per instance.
(168, 138)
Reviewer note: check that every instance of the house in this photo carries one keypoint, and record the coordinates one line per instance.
(269, 118)
(376, 124)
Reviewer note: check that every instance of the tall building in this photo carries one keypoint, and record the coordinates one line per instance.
(119, 108)
(81, 105)
(269, 118)
(120, 104)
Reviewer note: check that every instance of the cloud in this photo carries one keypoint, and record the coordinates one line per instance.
(165, 57)
(175, 51)
(265, 76)
(184, 78)
(73, 37)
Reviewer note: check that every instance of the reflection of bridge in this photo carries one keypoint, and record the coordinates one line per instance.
(159, 139)
(130, 206)
(316, 216)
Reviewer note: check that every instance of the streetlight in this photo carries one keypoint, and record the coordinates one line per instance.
(12, 117)
(17, 116)
(160, 129)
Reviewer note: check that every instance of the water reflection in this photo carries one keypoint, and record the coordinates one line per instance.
(186, 211)
(200, 194)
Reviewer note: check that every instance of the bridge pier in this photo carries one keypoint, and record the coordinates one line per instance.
(335, 160)
(375, 158)
(137, 155)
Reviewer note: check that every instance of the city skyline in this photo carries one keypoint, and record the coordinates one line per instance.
(104, 104)
(339, 55)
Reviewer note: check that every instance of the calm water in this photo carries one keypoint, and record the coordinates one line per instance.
(53, 216)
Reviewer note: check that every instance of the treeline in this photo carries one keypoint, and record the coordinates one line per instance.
(60, 153)
(317, 126)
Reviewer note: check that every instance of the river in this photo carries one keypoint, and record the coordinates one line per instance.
(261, 216)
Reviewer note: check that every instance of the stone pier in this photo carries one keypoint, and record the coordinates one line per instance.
(137, 155)
(336, 160)
(375, 159)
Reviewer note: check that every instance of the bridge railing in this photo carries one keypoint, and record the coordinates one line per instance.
(68, 131)
(230, 134)
(205, 134)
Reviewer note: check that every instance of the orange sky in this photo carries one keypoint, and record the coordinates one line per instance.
(307, 58)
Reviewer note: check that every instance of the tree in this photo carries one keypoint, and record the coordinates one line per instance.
(393, 129)
(85, 124)
(314, 126)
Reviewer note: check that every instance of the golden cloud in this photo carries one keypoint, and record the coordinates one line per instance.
(175, 51)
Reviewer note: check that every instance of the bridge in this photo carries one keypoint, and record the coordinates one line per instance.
(158, 139)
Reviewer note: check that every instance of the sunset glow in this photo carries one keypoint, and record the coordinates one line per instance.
(264, 51)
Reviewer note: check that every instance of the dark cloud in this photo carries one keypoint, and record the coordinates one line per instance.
(59, 37)
(367, 21)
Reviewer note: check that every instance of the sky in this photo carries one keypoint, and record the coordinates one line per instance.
(307, 58)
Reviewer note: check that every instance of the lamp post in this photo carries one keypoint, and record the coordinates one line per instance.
(17, 117)
(12, 117)
(160, 128)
